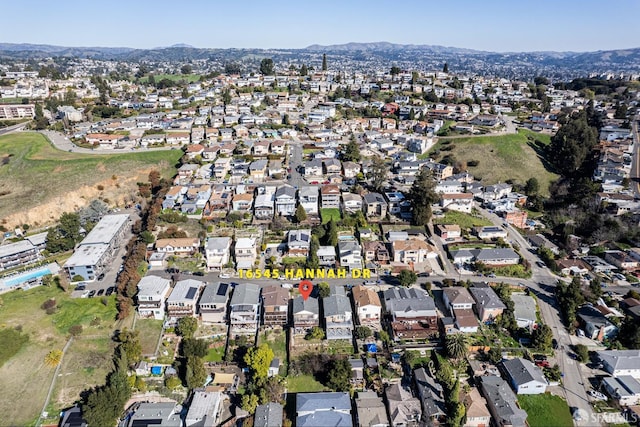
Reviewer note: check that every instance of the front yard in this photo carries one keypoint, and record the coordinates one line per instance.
(546, 410)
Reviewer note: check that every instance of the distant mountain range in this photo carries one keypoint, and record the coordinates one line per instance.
(378, 54)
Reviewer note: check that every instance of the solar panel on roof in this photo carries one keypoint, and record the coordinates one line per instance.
(191, 293)
(222, 289)
(145, 423)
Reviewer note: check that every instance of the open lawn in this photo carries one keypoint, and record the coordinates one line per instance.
(546, 410)
(149, 332)
(24, 378)
(216, 353)
(462, 219)
(303, 384)
(28, 160)
(277, 341)
(501, 157)
(330, 213)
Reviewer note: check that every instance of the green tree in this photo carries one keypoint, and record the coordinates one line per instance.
(186, 69)
(351, 151)
(324, 62)
(187, 326)
(582, 351)
(266, 67)
(172, 383)
(140, 384)
(53, 358)
(258, 360)
(363, 332)
(629, 334)
(193, 347)
(595, 289)
(532, 186)
(394, 70)
(445, 68)
(249, 403)
(384, 337)
(407, 278)
(378, 173)
(542, 338)
(422, 195)
(495, 354)
(147, 237)
(301, 214)
(130, 345)
(304, 70)
(323, 290)
(456, 345)
(315, 333)
(332, 233)
(196, 375)
(339, 375)
(571, 145)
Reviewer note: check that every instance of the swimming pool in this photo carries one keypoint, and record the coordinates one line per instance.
(25, 277)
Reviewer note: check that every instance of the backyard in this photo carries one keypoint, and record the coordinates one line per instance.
(464, 220)
(149, 331)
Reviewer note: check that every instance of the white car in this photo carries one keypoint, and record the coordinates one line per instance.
(224, 276)
(597, 395)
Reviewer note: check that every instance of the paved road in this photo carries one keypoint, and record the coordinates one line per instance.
(14, 128)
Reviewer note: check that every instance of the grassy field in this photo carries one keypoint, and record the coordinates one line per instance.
(216, 354)
(329, 213)
(303, 384)
(277, 341)
(462, 219)
(27, 160)
(502, 157)
(149, 332)
(546, 410)
(24, 378)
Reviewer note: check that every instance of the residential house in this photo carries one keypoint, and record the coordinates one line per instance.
(502, 402)
(374, 206)
(431, 395)
(330, 196)
(351, 202)
(275, 302)
(621, 259)
(524, 310)
(413, 313)
(18, 254)
(261, 148)
(595, 325)
(404, 409)
(461, 202)
(151, 296)
(625, 389)
(268, 415)
(367, 304)
(477, 413)
(213, 303)
(299, 242)
(370, 410)
(496, 257)
(242, 202)
(258, 170)
(524, 376)
(491, 232)
(350, 253)
(205, 409)
(245, 252)
(457, 297)
(332, 167)
(621, 362)
(326, 256)
(412, 251)
(488, 305)
(183, 299)
(350, 169)
(160, 414)
(264, 206)
(308, 198)
(313, 168)
(337, 314)
(178, 246)
(448, 231)
(285, 200)
(324, 409)
(306, 314)
(217, 252)
(376, 251)
(244, 309)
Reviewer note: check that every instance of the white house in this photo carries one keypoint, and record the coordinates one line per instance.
(217, 252)
(152, 293)
(524, 376)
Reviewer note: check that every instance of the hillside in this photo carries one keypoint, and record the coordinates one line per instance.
(38, 182)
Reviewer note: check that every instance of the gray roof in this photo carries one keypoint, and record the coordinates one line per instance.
(524, 307)
(308, 191)
(204, 408)
(408, 300)
(185, 290)
(501, 398)
(286, 190)
(335, 305)
(258, 165)
(497, 253)
(374, 198)
(218, 243)
(15, 248)
(159, 414)
(521, 371)
(215, 293)
(310, 305)
(620, 359)
(105, 229)
(246, 294)
(458, 295)
(269, 415)
(324, 401)
(371, 410)
(153, 285)
(626, 385)
(487, 298)
(325, 419)
(430, 392)
(589, 314)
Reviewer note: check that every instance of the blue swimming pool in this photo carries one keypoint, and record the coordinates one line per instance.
(25, 277)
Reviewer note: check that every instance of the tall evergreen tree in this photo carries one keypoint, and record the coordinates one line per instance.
(324, 62)
(422, 195)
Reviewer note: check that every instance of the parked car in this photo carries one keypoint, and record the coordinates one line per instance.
(597, 395)
(110, 290)
(101, 276)
(537, 357)
(92, 293)
(81, 287)
(198, 273)
(542, 363)
(100, 292)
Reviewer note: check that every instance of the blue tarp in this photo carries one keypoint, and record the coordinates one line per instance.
(371, 348)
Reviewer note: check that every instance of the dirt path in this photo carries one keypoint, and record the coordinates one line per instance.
(53, 380)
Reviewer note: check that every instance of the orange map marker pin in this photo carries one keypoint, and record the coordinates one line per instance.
(305, 288)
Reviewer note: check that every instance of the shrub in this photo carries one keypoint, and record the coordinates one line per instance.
(75, 330)
(50, 303)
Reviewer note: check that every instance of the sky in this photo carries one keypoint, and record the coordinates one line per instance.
(490, 25)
